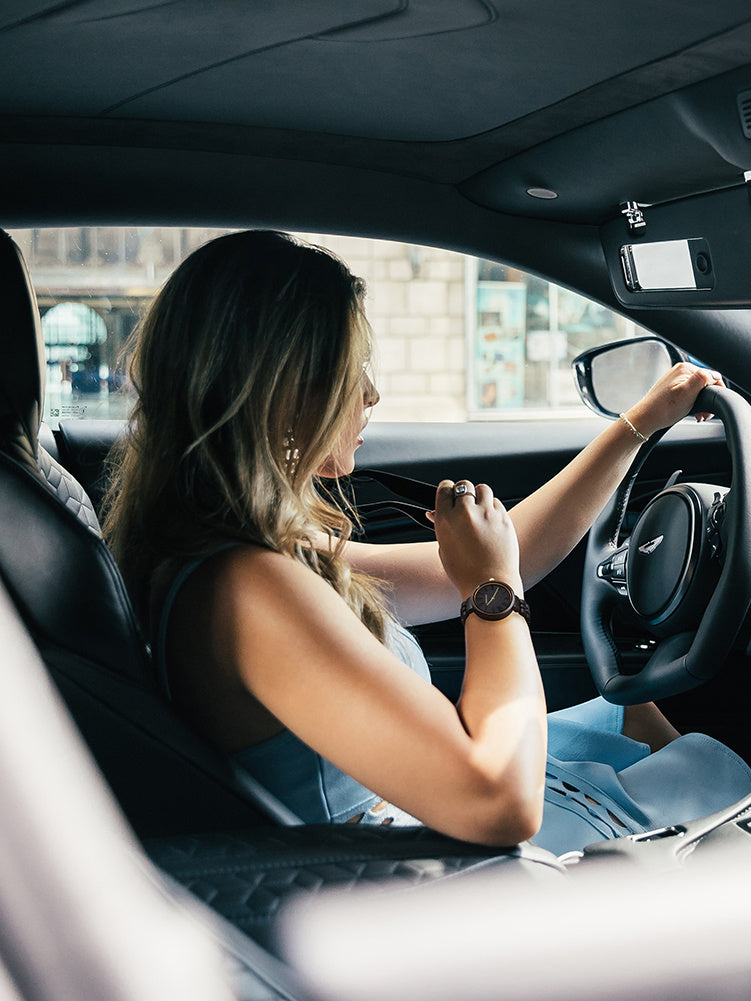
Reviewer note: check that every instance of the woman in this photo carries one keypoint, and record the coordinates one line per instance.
(282, 640)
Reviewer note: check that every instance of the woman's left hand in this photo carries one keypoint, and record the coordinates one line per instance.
(672, 397)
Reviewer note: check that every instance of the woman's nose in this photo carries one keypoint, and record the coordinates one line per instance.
(370, 394)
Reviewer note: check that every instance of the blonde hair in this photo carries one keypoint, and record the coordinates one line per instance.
(246, 369)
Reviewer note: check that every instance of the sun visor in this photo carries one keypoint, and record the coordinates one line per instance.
(689, 252)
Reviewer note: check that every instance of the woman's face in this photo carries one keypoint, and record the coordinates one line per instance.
(341, 461)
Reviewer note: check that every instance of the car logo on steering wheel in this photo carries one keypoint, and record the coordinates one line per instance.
(649, 547)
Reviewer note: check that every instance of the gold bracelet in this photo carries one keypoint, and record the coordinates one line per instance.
(642, 438)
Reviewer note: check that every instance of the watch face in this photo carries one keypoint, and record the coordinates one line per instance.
(493, 598)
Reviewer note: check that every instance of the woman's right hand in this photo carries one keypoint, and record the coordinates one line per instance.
(476, 537)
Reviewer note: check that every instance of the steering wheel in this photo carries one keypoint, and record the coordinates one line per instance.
(685, 570)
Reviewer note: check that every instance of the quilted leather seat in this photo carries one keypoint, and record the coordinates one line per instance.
(249, 877)
(70, 594)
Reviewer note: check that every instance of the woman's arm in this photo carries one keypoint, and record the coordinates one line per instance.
(476, 771)
(549, 522)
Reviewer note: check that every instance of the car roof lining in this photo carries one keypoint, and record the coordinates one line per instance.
(216, 66)
(495, 167)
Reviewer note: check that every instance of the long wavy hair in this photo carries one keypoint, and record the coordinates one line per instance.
(246, 370)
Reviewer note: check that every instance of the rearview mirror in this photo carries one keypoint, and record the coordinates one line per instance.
(612, 377)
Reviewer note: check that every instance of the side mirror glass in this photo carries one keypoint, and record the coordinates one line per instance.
(612, 377)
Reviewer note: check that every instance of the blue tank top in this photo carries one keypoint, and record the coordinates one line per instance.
(599, 783)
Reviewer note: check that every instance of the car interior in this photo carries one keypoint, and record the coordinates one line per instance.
(607, 150)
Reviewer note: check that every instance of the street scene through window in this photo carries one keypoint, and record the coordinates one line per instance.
(457, 338)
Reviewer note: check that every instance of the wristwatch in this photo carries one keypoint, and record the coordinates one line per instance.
(494, 600)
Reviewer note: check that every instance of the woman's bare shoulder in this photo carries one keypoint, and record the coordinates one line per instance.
(246, 579)
(256, 615)
(256, 567)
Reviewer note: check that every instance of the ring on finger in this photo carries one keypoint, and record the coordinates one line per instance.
(460, 489)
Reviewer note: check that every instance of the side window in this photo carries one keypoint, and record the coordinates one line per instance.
(457, 339)
(462, 339)
(524, 332)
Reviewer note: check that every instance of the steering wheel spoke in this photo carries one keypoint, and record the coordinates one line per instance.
(613, 569)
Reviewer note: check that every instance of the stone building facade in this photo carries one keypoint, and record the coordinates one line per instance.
(417, 306)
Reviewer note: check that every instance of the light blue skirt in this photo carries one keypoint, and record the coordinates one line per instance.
(600, 784)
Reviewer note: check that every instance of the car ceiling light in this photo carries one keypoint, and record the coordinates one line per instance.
(747, 176)
(545, 193)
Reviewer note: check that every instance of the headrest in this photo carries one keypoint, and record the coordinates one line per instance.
(22, 359)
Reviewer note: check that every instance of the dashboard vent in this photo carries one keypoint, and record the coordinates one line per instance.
(744, 110)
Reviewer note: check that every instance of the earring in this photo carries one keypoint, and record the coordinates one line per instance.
(291, 451)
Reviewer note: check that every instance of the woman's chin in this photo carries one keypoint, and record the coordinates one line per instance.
(332, 468)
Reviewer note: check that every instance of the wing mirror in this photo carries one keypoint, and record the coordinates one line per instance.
(612, 377)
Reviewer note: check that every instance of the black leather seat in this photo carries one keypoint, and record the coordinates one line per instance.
(70, 594)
